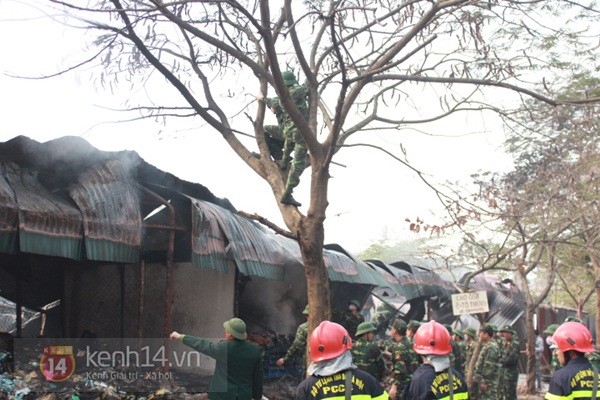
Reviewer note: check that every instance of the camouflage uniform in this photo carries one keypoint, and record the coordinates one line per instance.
(293, 140)
(404, 363)
(298, 347)
(368, 357)
(486, 370)
(456, 357)
(509, 359)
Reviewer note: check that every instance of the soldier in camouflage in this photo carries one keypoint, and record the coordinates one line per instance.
(509, 359)
(411, 329)
(352, 318)
(457, 337)
(456, 357)
(485, 375)
(554, 363)
(366, 354)
(404, 360)
(293, 141)
(470, 340)
(298, 347)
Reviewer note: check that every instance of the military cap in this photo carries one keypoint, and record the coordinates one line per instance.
(509, 329)
(306, 310)
(364, 327)
(399, 324)
(289, 78)
(413, 325)
(493, 327)
(355, 302)
(459, 333)
(236, 327)
(470, 331)
(551, 329)
(573, 319)
(489, 329)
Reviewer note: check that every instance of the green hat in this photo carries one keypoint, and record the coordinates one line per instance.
(355, 302)
(509, 329)
(306, 310)
(364, 327)
(459, 333)
(289, 78)
(470, 331)
(494, 327)
(399, 324)
(551, 329)
(573, 319)
(413, 325)
(236, 327)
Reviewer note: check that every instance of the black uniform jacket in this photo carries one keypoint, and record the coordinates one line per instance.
(426, 384)
(333, 387)
(574, 381)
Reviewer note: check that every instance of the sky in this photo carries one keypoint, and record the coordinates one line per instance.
(371, 196)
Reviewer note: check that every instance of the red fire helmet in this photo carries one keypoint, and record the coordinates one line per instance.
(573, 336)
(329, 340)
(432, 338)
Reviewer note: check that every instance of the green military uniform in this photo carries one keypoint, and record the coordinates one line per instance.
(554, 363)
(239, 364)
(404, 363)
(509, 360)
(366, 355)
(351, 321)
(486, 370)
(293, 140)
(469, 347)
(298, 347)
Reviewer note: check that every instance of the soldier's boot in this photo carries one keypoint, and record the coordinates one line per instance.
(289, 200)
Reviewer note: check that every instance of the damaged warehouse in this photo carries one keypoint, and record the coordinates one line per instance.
(124, 250)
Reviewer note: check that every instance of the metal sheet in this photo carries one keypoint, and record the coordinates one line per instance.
(48, 224)
(9, 214)
(109, 203)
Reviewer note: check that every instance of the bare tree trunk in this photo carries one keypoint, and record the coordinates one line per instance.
(311, 237)
(530, 335)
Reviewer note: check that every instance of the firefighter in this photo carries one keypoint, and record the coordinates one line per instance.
(432, 379)
(331, 372)
(576, 379)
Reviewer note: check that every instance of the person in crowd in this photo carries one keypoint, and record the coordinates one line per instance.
(366, 354)
(352, 318)
(509, 360)
(332, 375)
(577, 379)
(403, 360)
(485, 374)
(433, 378)
(239, 364)
(298, 347)
(470, 336)
(411, 329)
(539, 350)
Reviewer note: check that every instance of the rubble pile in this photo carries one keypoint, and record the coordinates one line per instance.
(27, 382)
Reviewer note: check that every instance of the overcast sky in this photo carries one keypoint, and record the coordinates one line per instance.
(370, 198)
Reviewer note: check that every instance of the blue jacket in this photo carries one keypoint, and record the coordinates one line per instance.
(574, 381)
(426, 384)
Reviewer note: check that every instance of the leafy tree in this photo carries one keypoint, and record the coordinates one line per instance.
(367, 65)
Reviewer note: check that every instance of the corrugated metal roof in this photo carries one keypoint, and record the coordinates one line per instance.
(109, 203)
(48, 224)
(430, 284)
(248, 245)
(258, 251)
(9, 215)
(506, 304)
(401, 281)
